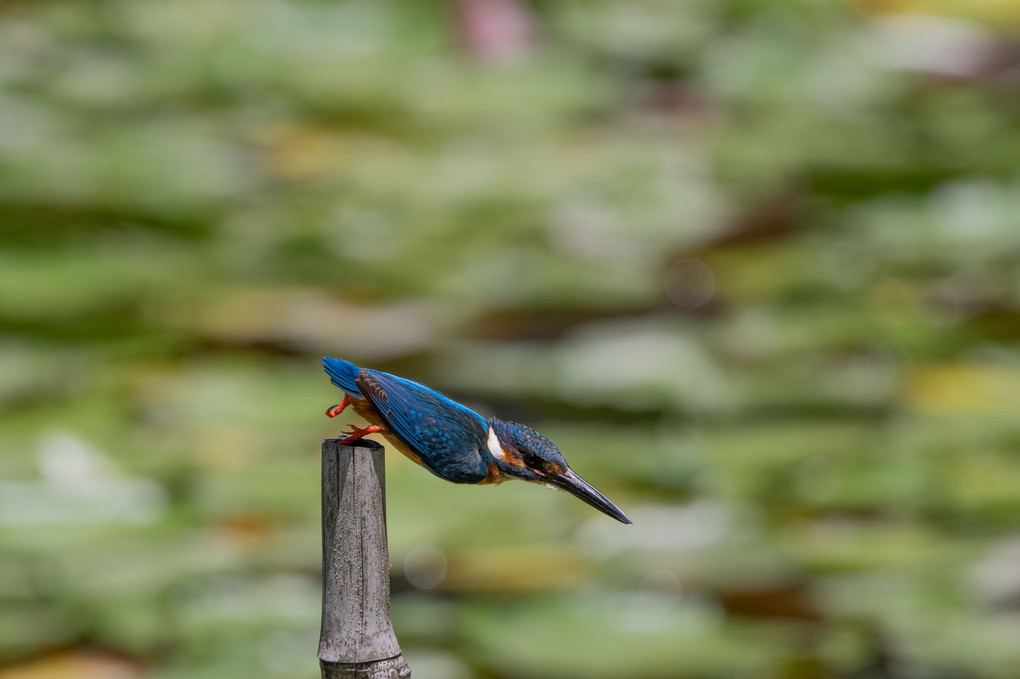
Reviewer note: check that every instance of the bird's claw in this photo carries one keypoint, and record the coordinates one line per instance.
(356, 433)
(333, 411)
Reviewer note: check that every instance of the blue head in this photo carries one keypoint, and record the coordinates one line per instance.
(523, 453)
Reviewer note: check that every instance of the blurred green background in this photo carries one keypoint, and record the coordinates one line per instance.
(752, 264)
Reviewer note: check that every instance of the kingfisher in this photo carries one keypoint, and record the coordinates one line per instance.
(451, 440)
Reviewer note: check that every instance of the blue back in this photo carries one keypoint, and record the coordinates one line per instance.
(449, 438)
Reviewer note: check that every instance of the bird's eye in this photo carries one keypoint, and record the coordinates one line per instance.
(530, 459)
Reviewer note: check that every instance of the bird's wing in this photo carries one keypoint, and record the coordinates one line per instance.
(447, 436)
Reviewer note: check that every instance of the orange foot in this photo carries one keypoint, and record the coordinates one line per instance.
(333, 411)
(357, 432)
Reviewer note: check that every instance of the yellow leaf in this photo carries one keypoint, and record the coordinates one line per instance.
(965, 389)
(1001, 14)
(75, 666)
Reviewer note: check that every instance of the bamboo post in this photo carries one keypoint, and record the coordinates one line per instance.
(356, 640)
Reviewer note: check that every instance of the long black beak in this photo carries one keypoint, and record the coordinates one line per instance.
(579, 488)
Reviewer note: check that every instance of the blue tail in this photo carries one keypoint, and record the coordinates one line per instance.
(342, 374)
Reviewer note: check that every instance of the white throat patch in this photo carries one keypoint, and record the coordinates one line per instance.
(494, 447)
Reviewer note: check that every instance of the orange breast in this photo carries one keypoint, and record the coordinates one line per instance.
(495, 475)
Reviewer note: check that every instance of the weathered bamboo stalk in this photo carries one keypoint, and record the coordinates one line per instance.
(357, 639)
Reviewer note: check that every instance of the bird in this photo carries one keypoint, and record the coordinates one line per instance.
(450, 440)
